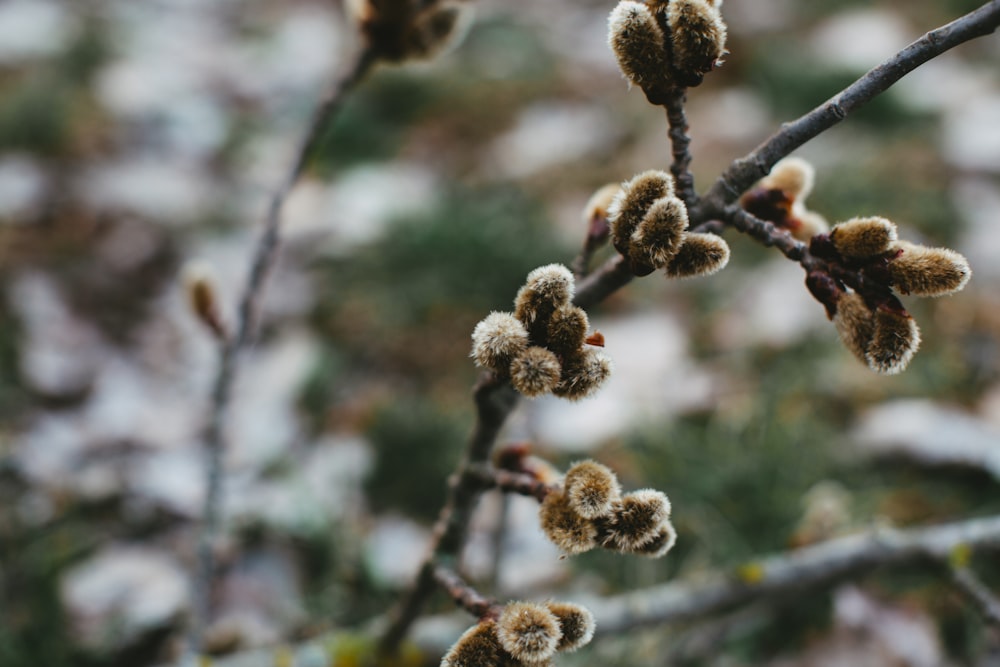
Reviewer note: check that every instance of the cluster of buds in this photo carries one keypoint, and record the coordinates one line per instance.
(780, 198)
(649, 228)
(398, 30)
(871, 321)
(523, 633)
(543, 346)
(590, 511)
(662, 45)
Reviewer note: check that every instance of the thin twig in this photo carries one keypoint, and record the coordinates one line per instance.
(680, 143)
(745, 171)
(261, 264)
(495, 400)
(766, 233)
(975, 590)
(792, 573)
(464, 595)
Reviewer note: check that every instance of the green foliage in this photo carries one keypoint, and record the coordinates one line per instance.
(416, 447)
(471, 253)
(35, 115)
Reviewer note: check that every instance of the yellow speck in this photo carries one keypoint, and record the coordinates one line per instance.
(960, 555)
(750, 573)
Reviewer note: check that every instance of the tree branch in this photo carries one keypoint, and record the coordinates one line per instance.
(680, 143)
(975, 590)
(746, 171)
(495, 400)
(249, 305)
(793, 572)
(464, 595)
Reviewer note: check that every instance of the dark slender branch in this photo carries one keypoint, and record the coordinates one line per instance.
(974, 589)
(792, 573)
(509, 481)
(602, 283)
(263, 259)
(464, 595)
(680, 144)
(745, 171)
(495, 400)
(766, 233)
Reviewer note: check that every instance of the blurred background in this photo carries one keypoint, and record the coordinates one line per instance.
(138, 137)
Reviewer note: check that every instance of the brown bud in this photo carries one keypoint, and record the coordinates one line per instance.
(923, 271)
(583, 374)
(200, 287)
(661, 543)
(567, 329)
(497, 340)
(894, 342)
(576, 622)
(592, 489)
(661, 232)
(528, 631)
(629, 206)
(855, 324)
(636, 520)
(860, 238)
(793, 176)
(477, 647)
(564, 527)
(699, 38)
(639, 45)
(547, 288)
(699, 255)
(535, 371)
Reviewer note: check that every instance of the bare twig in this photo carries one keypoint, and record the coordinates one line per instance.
(495, 400)
(680, 144)
(745, 171)
(766, 233)
(780, 575)
(263, 259)
(464, 595)
(791, 573)
(974, 589)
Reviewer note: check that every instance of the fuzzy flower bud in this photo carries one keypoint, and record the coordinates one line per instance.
(661, 543)
(699, 38)
(529, 632)
(536, 371)
(894, 342)
(855, 324)
(576, 622)
(923, 271)
(639, 45)
(699, 255)
(661, 232)
(583, 374)
(564, 527)
(436, 29)
(636, 520)
(477, 647)
(497, 340)
(630, 205)
(793, 176)
(597, 205)
(567, 329)
(863, 237)
(546, 288)
(592, 489)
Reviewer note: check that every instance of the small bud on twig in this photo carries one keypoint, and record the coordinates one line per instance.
(201, 294)
(923, 271)
(497, 340)
(863, 237)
